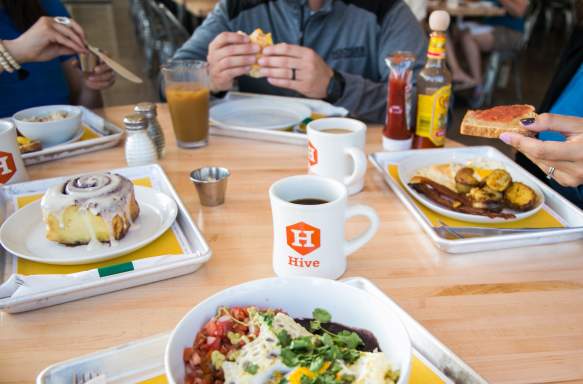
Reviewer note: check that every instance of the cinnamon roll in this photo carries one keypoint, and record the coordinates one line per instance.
(89, 209)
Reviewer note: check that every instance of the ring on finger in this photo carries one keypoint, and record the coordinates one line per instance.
(550, 172)
(293, 77)
(62, 20)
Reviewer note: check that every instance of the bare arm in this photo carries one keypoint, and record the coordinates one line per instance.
(80, 94)
(516, 8)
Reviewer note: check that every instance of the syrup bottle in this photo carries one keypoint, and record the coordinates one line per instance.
(433, 88)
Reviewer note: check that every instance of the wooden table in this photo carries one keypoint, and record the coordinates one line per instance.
(516, 316)
(464, 9)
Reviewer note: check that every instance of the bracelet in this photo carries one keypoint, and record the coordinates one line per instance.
(5, 64)
(10, 64)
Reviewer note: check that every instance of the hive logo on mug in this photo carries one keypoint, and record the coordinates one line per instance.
(303, 238)
(312, 154)
(7, 167)
(309, 216)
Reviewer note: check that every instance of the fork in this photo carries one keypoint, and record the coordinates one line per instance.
(463, 232)
(89, 378)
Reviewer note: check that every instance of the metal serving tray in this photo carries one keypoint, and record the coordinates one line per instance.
(287, 137)
(187, 233)
(109, 135)
(569, 214)
(142, 361)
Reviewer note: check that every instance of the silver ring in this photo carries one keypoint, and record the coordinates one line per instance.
(62, 20)
(550, 173)
(293, 74)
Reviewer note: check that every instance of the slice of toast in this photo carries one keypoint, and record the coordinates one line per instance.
(497, 120)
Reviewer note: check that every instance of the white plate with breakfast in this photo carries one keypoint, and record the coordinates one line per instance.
(275, 115)
(468, 188)
(267, 331)
(88, 218)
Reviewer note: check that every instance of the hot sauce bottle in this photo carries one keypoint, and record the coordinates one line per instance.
(433, 88)
(397, 134)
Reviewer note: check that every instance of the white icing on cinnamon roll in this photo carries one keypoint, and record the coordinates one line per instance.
(105, 195)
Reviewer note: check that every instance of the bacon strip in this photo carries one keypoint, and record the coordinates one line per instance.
(444, 196)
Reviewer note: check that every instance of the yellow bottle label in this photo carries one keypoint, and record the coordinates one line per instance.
(432, 115)
(436, 49)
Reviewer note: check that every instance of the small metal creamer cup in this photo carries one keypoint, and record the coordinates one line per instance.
(211, 185)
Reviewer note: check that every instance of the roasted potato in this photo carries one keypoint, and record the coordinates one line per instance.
(465, 180)
(485, 198)
(499, 180)
(520, 197)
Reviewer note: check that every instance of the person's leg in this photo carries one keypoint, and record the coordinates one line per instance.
(473, 46)
(457, 72)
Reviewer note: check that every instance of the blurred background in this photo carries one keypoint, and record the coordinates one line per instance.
(144, 33)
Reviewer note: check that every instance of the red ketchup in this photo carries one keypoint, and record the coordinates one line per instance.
(397, 134)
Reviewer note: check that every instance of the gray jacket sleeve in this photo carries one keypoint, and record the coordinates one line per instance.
(196, 47)
(367, 99)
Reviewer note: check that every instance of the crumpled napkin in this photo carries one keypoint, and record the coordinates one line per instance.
(21, 285)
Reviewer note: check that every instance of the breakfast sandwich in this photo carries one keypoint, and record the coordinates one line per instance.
(263, 40)
(497, 120)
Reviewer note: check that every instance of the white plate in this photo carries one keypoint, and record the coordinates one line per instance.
(157, 213)
(259, 114)
(73, 139)
(408, 168)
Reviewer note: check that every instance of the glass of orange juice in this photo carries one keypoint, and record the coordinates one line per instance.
(187, 92)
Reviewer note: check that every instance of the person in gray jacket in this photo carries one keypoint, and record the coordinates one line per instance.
(332, 50)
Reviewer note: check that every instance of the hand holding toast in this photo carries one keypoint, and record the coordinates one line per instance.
(565, 157)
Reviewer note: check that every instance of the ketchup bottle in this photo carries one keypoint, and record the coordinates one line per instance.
(397, 134)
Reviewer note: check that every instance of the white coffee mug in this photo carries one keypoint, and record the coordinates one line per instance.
(12, 169)
(340, 156)
(308, 239)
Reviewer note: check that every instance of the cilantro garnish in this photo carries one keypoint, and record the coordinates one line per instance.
(250, 368)
(322, 315)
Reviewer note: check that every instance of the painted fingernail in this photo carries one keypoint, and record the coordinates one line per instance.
(505, 137)
(262, 61)
(256, 48)
(527, 121)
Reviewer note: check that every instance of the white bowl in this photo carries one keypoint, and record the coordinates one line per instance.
(51, 132)
(298, 296)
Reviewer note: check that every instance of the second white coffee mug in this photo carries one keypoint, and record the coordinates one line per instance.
(336, 150)
(12, 169)
(309, 216)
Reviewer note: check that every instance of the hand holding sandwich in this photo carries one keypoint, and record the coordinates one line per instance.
(230, 55)
(566, 158)
(297, 68)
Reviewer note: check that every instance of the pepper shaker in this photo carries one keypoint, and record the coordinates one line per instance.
(139, 148)
(148, 110)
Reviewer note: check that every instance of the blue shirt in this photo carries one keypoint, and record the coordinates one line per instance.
(46, 83)
(516, 23)
(569, 103)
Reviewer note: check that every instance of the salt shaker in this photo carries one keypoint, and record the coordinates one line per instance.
(139, 148)
(148, 110)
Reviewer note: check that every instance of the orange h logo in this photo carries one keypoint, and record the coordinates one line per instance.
(7, 167)
(312, 154)
(303, 238)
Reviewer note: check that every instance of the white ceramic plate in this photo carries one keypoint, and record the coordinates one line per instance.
(259, 114)
(73, 139)
(408, 168)
(298, 296)
(157, 213)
